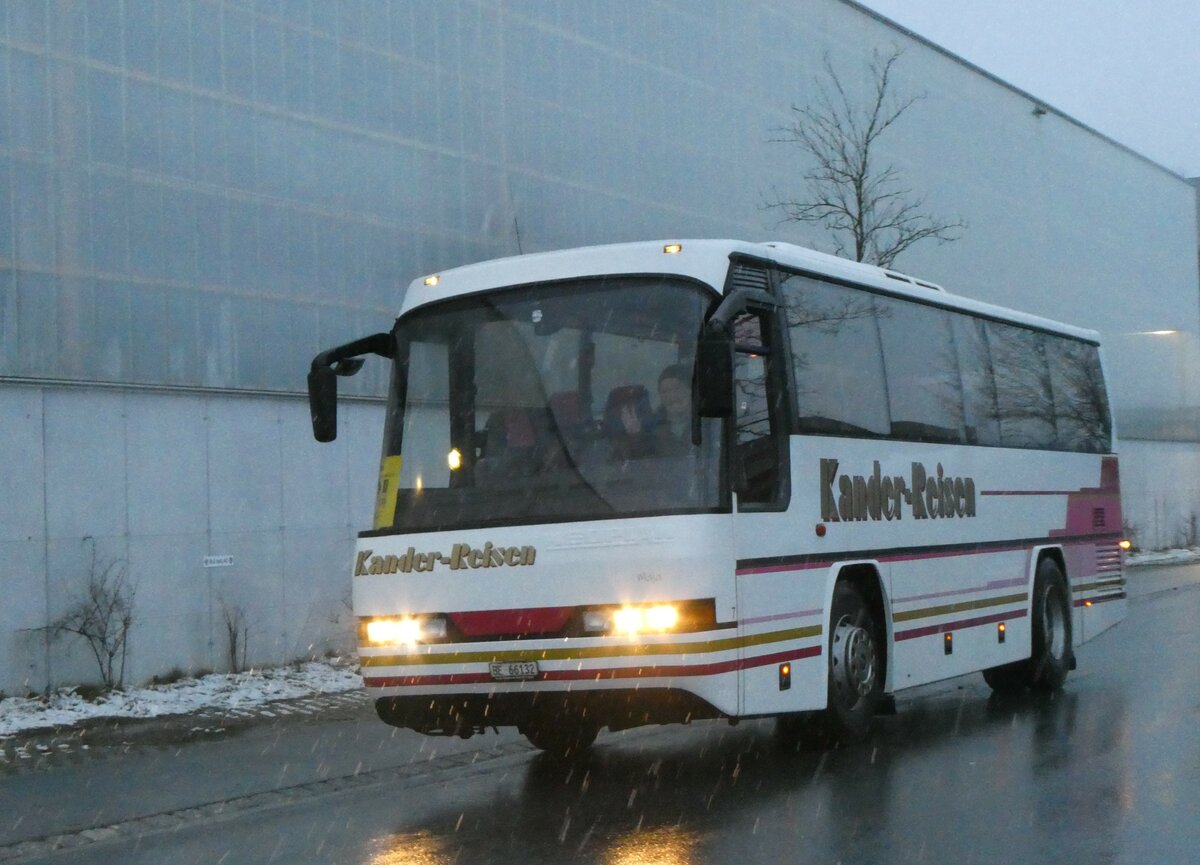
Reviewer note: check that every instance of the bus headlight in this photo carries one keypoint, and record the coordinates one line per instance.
(656, 618)
(404, 631)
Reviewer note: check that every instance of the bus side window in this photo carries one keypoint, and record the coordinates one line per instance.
(758, 414)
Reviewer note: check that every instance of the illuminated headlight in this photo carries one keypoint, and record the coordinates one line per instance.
(661, 618)
(406, 631)
(632, 620)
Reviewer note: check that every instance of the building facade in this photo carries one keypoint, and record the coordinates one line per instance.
(198, 195)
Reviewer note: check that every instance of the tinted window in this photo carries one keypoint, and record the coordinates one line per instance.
(1080, 400)
(1023, 395)
(980, 410)
(924, 391)
(837, 360)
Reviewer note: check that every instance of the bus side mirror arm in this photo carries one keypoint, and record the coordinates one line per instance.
(345, 360)
(713, 385)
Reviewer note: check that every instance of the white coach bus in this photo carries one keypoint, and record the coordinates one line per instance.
(653, 483)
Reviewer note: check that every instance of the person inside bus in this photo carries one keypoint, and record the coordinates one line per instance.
(668, 430)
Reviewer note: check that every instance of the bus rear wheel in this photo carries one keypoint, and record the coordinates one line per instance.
(855, 667)
(1050, 659)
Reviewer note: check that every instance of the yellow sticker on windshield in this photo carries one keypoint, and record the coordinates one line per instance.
(385, 496)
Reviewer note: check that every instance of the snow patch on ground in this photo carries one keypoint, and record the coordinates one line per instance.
(216, 691)
(1163, 557)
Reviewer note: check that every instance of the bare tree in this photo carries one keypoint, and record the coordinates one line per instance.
(103, 617)
(237, 635)
(864, 204)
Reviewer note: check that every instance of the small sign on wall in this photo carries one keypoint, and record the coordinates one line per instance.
(218, 561)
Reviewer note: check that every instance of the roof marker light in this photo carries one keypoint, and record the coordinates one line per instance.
(433, 280)
(672, 248)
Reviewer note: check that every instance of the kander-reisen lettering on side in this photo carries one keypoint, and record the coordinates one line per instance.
(845, 498)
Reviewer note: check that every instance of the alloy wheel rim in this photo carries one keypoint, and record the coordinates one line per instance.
(853, 660)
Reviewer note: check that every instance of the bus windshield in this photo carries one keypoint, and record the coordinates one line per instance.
(555, 402)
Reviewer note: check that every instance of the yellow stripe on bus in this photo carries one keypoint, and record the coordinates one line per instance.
(959, 607)
(591, 652)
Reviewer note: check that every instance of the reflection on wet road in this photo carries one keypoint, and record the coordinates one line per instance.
(1107, 771)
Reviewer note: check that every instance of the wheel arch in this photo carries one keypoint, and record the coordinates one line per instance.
(1055, 553)
(867, 576)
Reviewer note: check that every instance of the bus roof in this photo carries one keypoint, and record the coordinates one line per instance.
(703, 260)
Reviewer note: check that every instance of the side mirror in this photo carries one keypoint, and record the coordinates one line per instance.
(322, 402)
(714, 355)
(714, 373)
(345, 360)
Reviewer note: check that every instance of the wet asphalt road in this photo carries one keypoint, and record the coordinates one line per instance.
(1107, 771)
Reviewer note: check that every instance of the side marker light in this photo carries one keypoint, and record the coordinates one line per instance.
(949, 644)
(1125, 544)
(785, 676)
(1001, 630)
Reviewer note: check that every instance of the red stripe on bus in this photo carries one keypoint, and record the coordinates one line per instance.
(779, 569)
(602, 675)
(913, 633)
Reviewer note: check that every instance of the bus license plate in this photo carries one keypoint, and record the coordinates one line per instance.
(514, 670)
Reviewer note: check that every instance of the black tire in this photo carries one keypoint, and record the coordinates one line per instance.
(562, 739)
(1008, 679)
(1050, 660)
(855, 667)
(1050, 653)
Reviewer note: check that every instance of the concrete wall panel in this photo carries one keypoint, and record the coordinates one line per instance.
(167, 449)
(363, 434)
(85, 463)
(313, 475)
(254, 583)
(174, 615)
(22, 469)
(22, 649)
(244, 465)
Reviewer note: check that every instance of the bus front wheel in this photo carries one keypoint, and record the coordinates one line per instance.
(855, 667)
